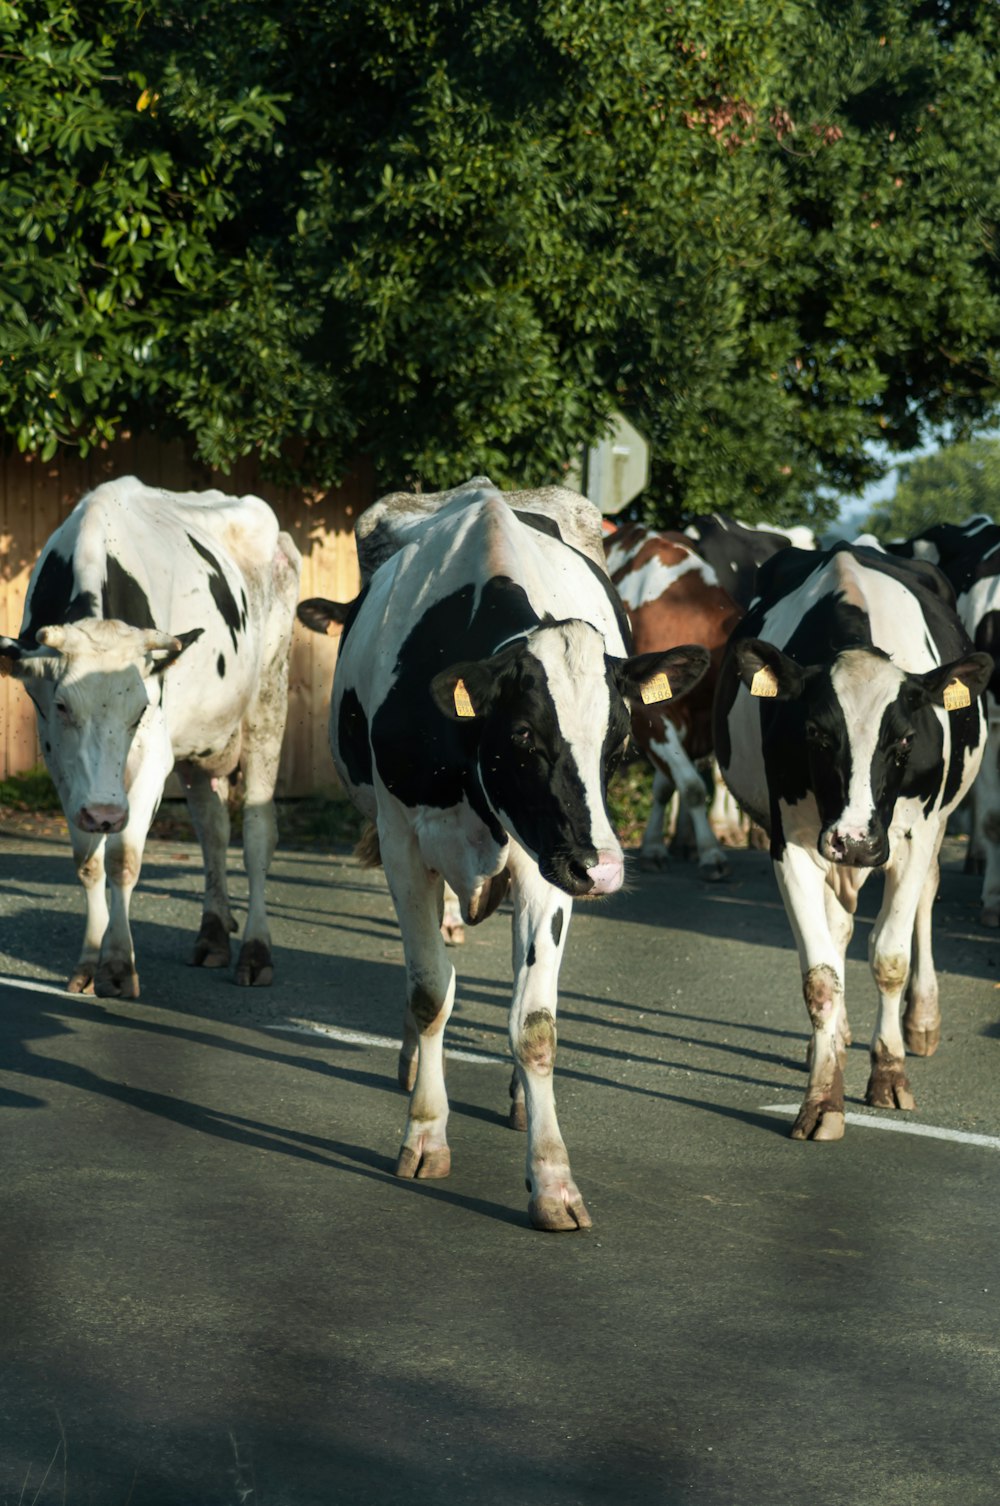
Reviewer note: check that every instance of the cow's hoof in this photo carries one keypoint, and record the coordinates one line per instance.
(818, 1120)
(406, 1071)
(211, 947)
(453, 933)
(553, 1214)
(518, 1116)
(424, 1165)
(653, 859)
(254, 968)
(888, 1090)
(116, 980)
(81, 980)
(921, 1040)
(713, 870)
(989, 916)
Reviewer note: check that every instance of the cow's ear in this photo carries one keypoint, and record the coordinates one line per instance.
(164, 649)
(463, 692)
(649, 678)
(767, 672)
(957, 684)
(321, 615)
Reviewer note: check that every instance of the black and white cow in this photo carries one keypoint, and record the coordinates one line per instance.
(832, 732)
(156, 633)
(478, 708)
(736, 550)
(969, 555)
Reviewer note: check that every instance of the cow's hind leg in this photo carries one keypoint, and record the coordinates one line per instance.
(922, 1019)
(208, 804)
(669, 751)
(262, 733)
(652, 851)
(88, 855)
(541, 917)
(430, 994)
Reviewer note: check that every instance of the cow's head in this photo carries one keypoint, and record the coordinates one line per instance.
(868, 729)
(89, 682)
(552, 724)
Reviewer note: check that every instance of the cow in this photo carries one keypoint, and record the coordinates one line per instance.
(673, 596)
(848, 722)
(156, 635)
(478, 709)
(969, 555)
(736, 550)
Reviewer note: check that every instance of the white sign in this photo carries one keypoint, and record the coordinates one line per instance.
(617, 469)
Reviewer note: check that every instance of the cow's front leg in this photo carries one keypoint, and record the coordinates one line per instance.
(909, 879)
(652, 851)
(803, 883)
(88, 855)
(208, 804)
(430, 994)
(541, 920)
(116, 975)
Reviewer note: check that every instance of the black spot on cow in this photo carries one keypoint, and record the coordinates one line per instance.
(352, 739)
(54, 599)
(221, 594)
(445, 772)
(530, 959)
(557, 927)
(123, 598)
(220, 665)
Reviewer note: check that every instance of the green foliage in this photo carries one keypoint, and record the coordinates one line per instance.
(455, 237)
(948, 486)
(33, 791)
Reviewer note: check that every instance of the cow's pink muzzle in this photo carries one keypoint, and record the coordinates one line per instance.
(607, 873)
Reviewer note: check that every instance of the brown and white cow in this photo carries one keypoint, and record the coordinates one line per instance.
(672, 596)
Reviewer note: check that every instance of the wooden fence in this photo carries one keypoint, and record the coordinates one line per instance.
(34, 499)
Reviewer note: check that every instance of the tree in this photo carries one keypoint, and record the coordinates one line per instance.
(948, 486)
(456, 236)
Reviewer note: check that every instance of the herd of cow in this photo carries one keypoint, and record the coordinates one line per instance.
(491, 671)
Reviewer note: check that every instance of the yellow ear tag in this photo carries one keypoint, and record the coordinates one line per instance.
(764, 683)
(656, 689)
(956, 695)
(463, 702)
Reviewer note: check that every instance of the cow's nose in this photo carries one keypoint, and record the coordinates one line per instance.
(854, 847)
(607, 873)
(102, 818)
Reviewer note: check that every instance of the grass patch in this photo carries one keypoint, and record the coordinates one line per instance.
(33, 791)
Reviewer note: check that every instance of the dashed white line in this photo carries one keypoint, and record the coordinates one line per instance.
(362, 1038)
(929, 1131)
(38, 988)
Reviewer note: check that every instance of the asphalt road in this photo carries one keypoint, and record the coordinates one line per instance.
(213, 1289)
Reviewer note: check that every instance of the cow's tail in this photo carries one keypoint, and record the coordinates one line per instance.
(367, 851)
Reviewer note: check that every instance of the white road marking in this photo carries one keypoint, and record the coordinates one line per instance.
(40, 988)
(362, 1038)
(930, 1131)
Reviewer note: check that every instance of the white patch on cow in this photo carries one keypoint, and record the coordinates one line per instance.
(572, 655)
(865, 686)
(648, 582)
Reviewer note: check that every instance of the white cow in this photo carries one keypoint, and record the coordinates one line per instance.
(156, 634)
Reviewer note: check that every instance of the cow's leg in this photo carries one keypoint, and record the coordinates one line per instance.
(652, 851)
(908, 886)
(430, 994)
(541, 919)
(986, 823)
(263, 729)
(88, 855)
(669, 751)
(116, 975)
(452, 925)
(208, 804)
(803, 884)
(922, 1019)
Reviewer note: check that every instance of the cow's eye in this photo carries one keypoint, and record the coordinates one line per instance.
(520, 735)
(64, 711)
